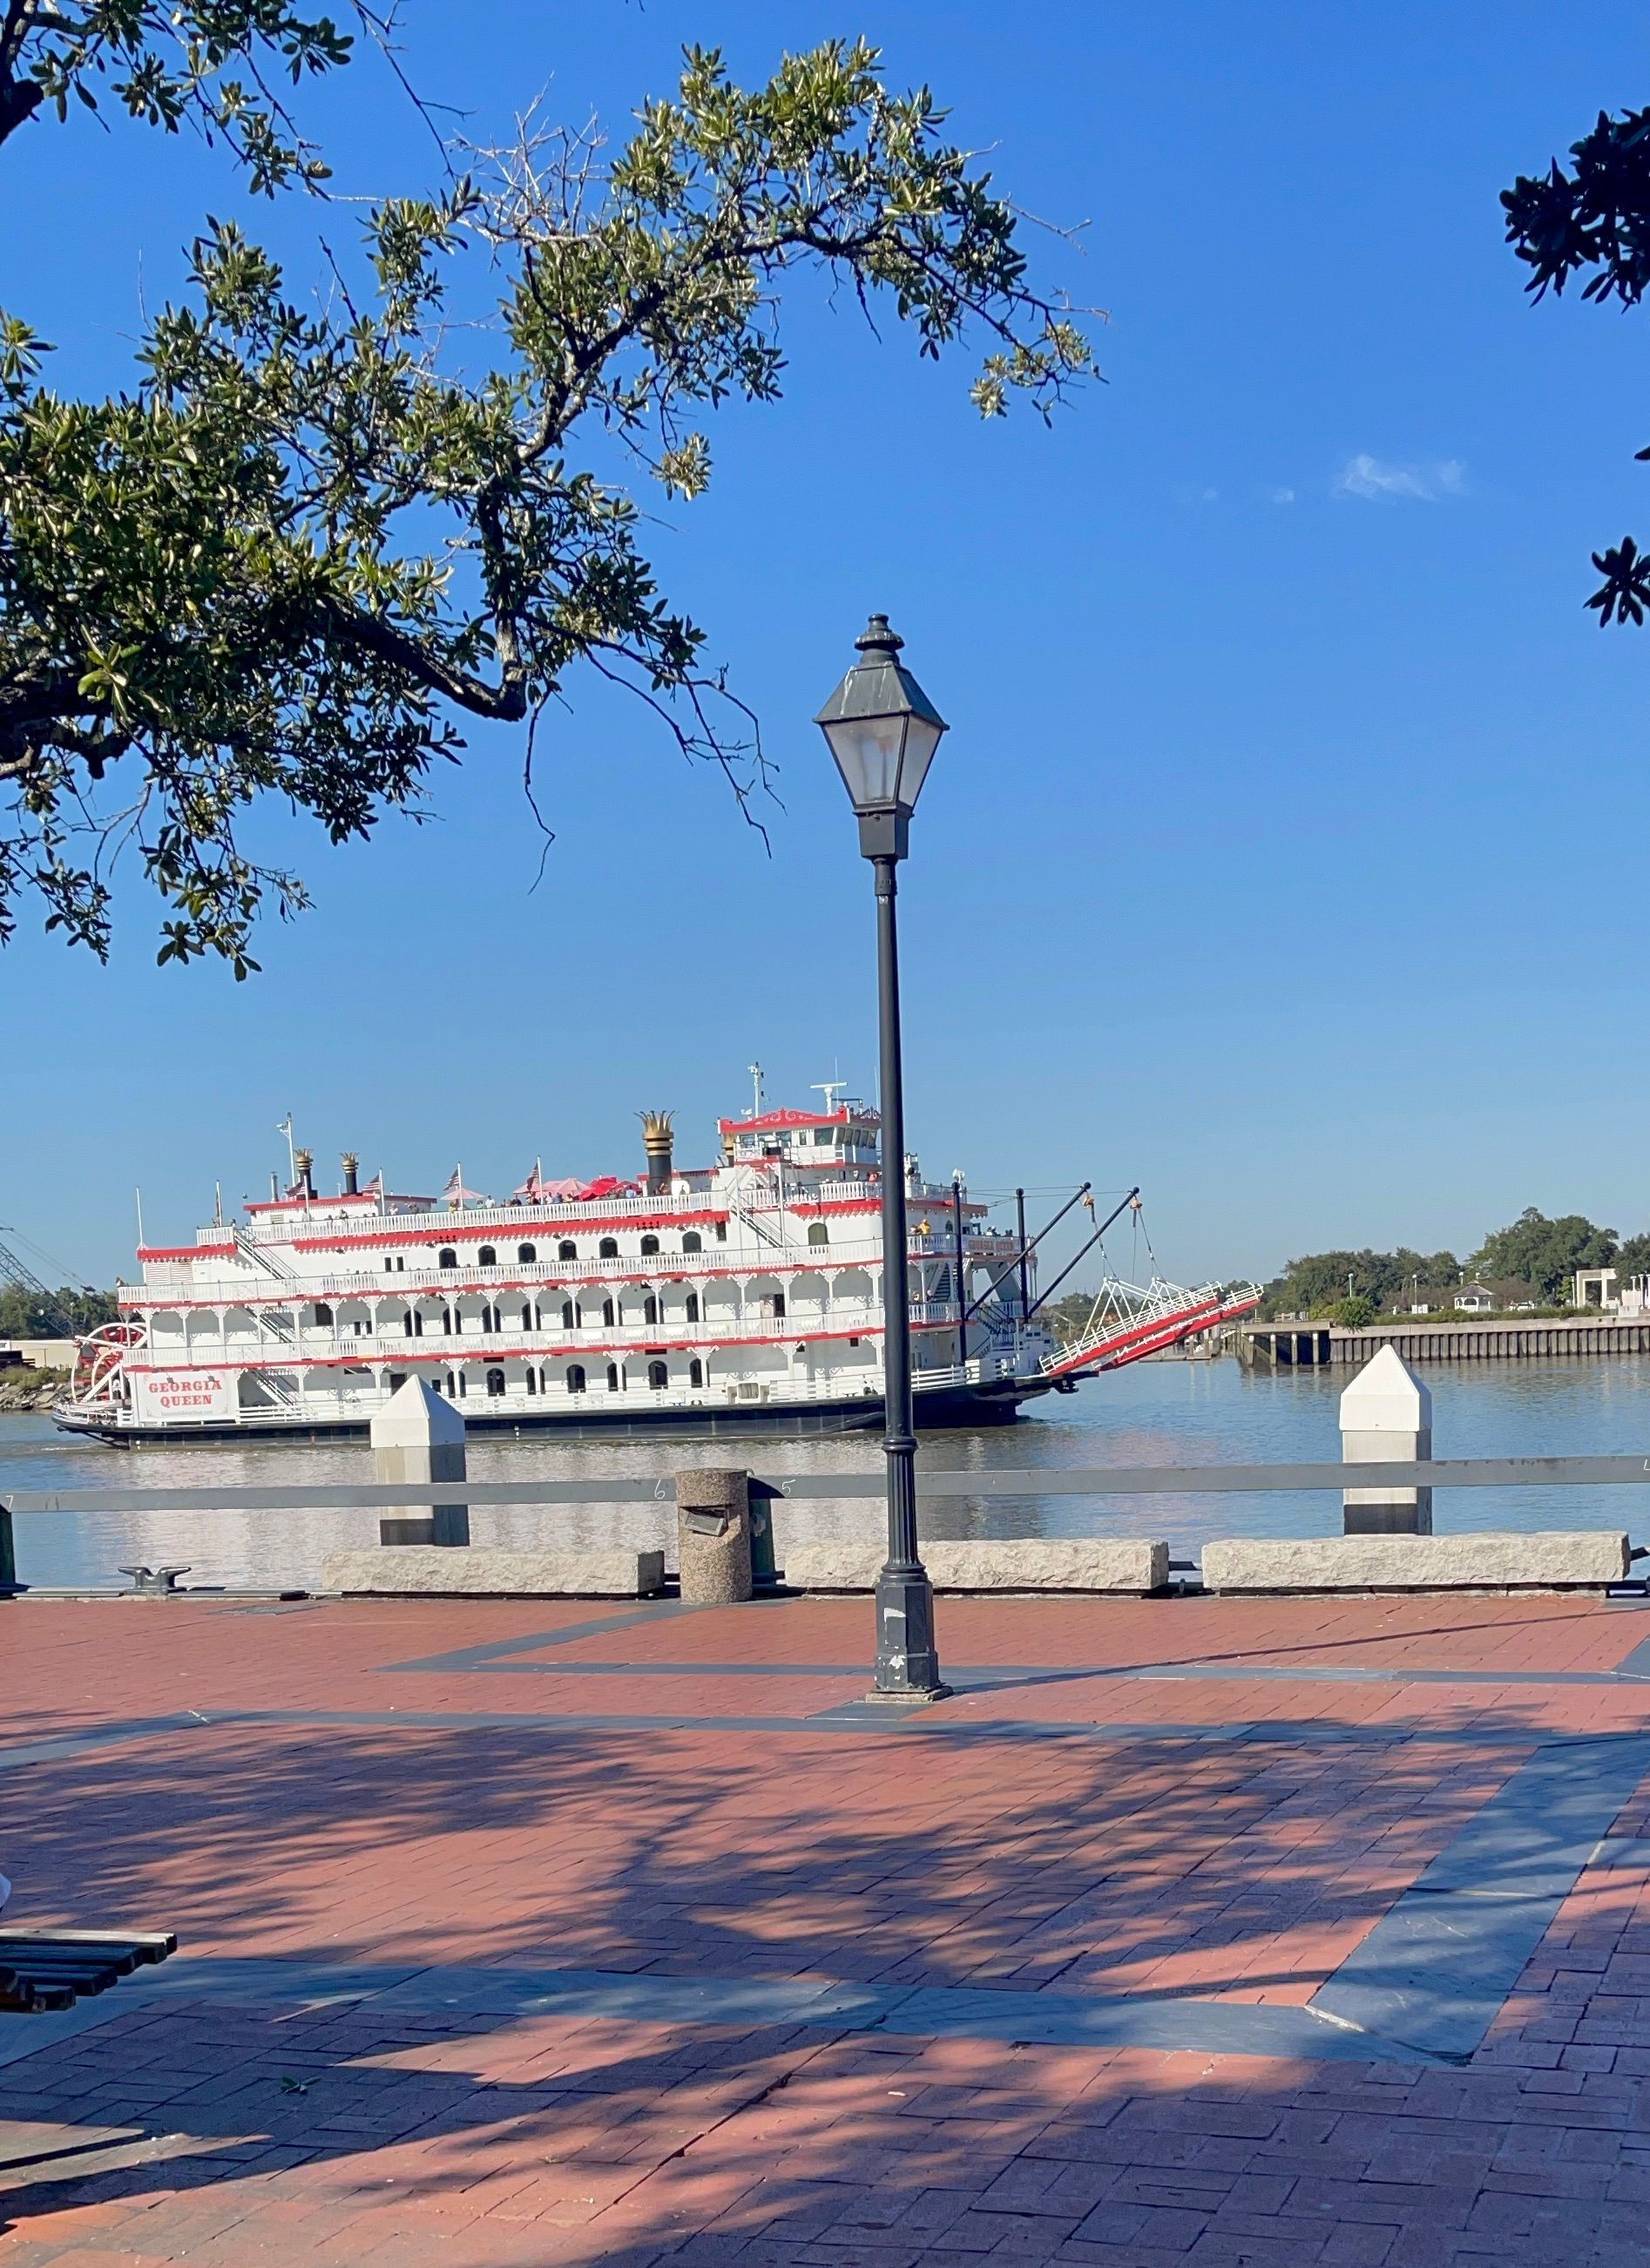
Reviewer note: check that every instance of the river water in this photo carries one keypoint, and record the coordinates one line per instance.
(1168, 1413)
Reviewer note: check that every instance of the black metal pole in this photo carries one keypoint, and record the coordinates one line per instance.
(1026, 1250)
(957, 1270)
(1044, 1297)
(907, 1661)
(1025, 1270)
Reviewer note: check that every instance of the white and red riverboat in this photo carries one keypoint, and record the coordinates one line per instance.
(744, 1293)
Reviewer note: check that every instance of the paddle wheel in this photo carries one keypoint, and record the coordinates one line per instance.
(97, 1373)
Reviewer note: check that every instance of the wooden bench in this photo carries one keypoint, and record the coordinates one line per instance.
(43, 1970)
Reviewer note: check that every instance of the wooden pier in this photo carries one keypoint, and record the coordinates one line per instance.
(1290, 1345)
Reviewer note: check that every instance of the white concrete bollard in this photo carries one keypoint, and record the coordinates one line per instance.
(1386, 1417)
(418, 1437)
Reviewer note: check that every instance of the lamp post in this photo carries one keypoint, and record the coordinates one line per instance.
(882, 730)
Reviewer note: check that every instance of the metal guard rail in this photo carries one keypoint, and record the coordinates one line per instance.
(1142, 1480)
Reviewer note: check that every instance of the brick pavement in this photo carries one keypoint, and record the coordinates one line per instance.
(1072, 1829)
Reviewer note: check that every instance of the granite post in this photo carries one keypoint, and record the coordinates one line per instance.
(418, 1437)
(1386, 1419)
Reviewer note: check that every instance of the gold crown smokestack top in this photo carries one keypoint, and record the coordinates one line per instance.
(351, 1164)
(659, 1142)
(305, 1162)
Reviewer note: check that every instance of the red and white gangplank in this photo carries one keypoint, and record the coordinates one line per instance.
(1130, 1321)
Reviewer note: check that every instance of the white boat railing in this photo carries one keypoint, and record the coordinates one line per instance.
(363, 1221)
(546, 1344)
(469, 1279)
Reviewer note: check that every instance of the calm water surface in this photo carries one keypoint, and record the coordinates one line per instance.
(1169, 1413)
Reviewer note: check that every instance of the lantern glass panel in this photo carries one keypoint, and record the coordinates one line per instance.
(867, 750)
(922, 738)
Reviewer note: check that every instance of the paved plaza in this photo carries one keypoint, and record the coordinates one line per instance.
(1190, 1930)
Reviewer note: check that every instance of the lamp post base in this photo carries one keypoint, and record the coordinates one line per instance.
(907, 1661)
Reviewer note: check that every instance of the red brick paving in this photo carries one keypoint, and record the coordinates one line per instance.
(223, 2134)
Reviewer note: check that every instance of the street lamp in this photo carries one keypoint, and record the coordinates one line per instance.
(882, 730)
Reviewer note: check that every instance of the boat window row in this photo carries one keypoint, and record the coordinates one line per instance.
(572, 1316)
(577, 1382)
(607, 1248)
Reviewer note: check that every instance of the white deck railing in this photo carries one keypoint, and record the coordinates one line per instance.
(547, 1345)
(186, 1280)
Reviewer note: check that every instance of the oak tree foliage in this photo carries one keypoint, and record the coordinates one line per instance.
(1592, 219)
(326, 528)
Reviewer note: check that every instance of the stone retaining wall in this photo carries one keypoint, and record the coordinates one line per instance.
(425, 1568)
(1585, 1559)
(1011, 1565)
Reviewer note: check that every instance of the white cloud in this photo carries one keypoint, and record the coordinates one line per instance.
(1364, 476)
(1282, 496)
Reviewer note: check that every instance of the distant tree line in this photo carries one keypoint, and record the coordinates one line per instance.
(1067, 1318)
(1534, 1258)
(25, 1315)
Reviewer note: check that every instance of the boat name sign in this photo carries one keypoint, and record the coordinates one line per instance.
(170, 1395)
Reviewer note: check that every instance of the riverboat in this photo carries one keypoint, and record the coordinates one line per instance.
(745, 1293)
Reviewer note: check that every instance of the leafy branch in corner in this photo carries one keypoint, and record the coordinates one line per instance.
(313, 542)
(1593, 219)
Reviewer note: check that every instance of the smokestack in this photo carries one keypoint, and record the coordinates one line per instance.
(304, 1160)
(658, 1142)
(351, 1164)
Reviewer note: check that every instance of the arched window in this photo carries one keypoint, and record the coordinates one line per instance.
(487, 1256)
(450, 1323)
(692, 1242)
(693, 1306)
(567, 1249)
(323, 1315)
(575, 1378)
(609, 1248)
(526, 1252)
(612, 1378)
(659, 1376)
(649, 1246)
(526, 1314)
(533, 1383)
(490, 1319)
(695, 1371)
(650, 1312)
(495, 1383)
(449, 1258)
(606, 1314)
(567, 1315)
(818, 1233)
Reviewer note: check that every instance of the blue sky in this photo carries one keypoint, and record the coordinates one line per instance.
(1283, 853)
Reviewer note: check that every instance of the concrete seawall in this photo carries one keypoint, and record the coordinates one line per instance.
(1461, 1338)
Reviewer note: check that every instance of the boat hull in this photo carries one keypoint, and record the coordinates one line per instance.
(945, 1407)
